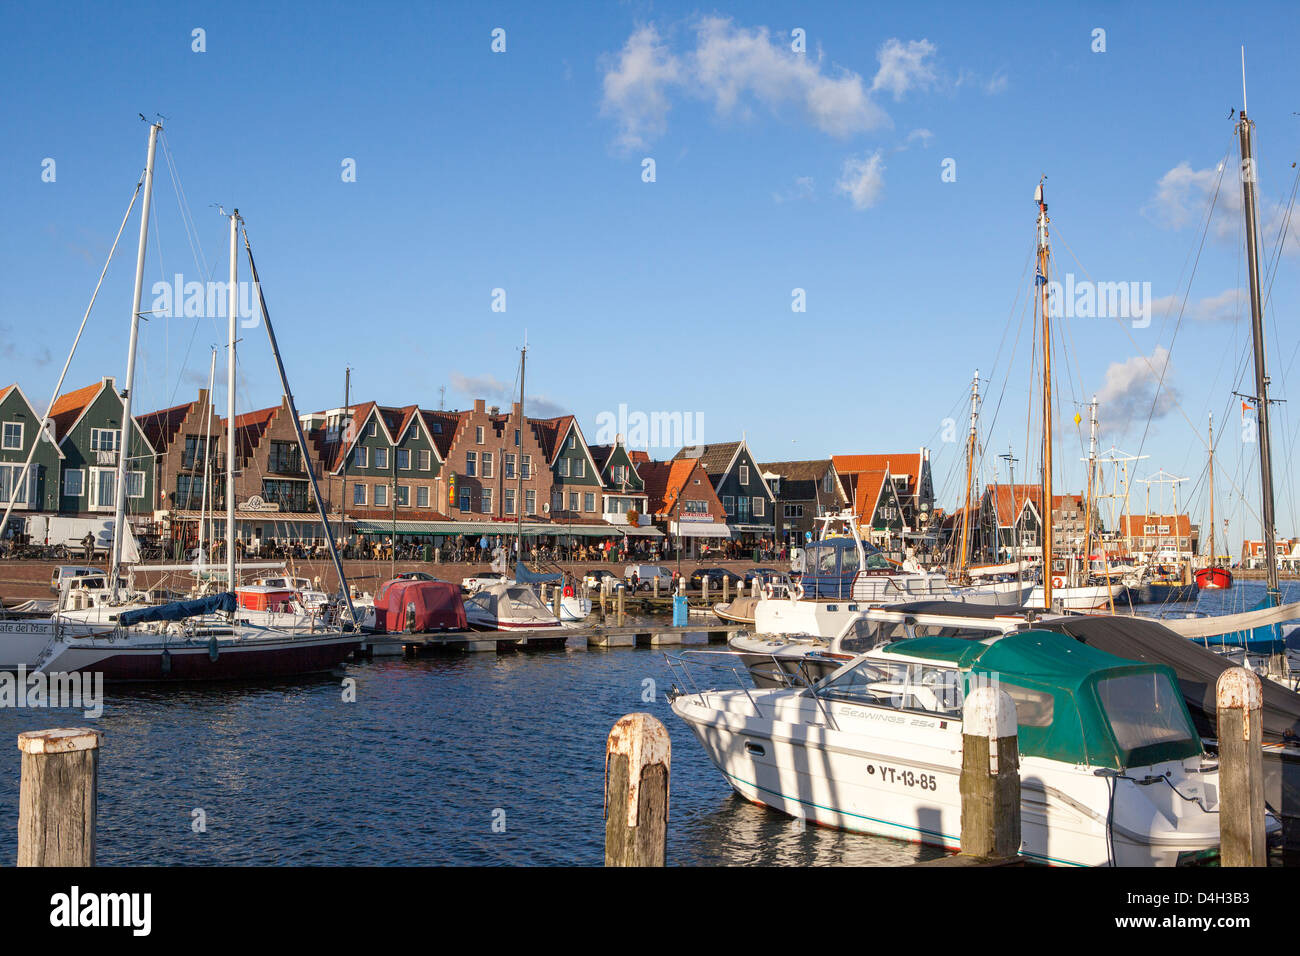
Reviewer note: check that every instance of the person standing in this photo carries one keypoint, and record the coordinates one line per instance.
(88, 546)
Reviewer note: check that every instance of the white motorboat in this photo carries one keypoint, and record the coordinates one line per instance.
(1112, 769)
(508, 606)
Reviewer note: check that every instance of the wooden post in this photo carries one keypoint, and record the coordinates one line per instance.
(622, 595)
(56, 800)
(704, 590)
(556, 597)
(726, 589)
(638, 754)
(1241, 769)
(655, 586)
(990, 776)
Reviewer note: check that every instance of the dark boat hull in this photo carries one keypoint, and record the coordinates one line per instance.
(190, 663)
(1163, 593)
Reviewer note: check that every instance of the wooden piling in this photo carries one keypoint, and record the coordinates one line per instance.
(556, 597)
(638, 755)
(622, 598)
(726, 589)
(655, 587)
(1239, 698)
(57, 795)
(990, 776)
(704, 590)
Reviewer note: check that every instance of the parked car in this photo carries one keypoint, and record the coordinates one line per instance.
(66, 572)
(715, 577)
(645, 575)
(593, 579)
(763, 574)
(471, 585)
(417, 576)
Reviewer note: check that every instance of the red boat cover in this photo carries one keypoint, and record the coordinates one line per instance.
(436, 606)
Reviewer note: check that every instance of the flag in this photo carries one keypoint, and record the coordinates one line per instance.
(1245, 407)
(1039, 278)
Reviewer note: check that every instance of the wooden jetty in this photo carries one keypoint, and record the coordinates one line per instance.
(599, 636)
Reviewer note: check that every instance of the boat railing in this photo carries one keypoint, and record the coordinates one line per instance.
(681, 664)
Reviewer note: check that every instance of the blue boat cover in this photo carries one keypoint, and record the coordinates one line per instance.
(179, 610)
(525, 575)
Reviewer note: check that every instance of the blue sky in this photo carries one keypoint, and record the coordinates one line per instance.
(774, 171)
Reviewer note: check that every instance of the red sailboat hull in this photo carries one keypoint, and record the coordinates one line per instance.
(1213, 578)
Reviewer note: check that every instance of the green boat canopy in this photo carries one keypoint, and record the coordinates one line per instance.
(1073, 702)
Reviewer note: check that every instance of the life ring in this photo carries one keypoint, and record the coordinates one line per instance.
(568, 590)
(1058, 581)
(768, 591)
(796, 591)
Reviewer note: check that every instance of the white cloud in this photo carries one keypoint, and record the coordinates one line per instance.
(1183, 195)
(997, 83)
(1228, 306)
(740, 69)
(496, 392)
(804, 188)
(904, 66)
(1133, 391)
(922, 136)
(636, 88)
(863, 179)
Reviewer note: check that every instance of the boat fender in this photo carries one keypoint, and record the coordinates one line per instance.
(166, 661)
(1058, 581)
(213, 652)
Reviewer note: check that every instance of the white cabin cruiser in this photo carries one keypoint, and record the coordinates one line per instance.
(1112, 768)
(508, 606)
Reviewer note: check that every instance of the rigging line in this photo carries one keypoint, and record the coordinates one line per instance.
(1015, 345)
(45, 417)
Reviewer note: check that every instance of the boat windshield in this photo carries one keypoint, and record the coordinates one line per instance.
(1144, 710)
(525, 598)
(899, 685)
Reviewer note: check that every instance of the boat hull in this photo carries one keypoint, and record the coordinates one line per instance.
(1159, 593)
(1213, 579)
(907, 787)
(194, 661)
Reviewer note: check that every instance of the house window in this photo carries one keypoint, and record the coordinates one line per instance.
(72, 482)
(374, 429)
(103, 487)
(557, 500)
(527, 466)
(758, 507)
(530, 502)
(105, 439)
(361, 456)
(135, 484)
(580, 468)
(403, 496)
(828, 482)
(485, 501)
(425, 459)
(464, 499)
(422, 496)
(728, 504)
(403, 459)
(471, 463)
(478, 435)
(381, 457)
(564, 468)
(11, 483)
(381, 496)
(195, 451)
(510, 501)
(742, 506)
(793, 511)
(358, 494)
(573, 441)
(516, 437)
(13, 436)
(487, 464)
(693, 506)
(573, 501)
(744, 474)
(510, 465)
(589, 502)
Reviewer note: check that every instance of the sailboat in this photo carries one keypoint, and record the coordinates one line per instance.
(207, 638)
(1212, 577)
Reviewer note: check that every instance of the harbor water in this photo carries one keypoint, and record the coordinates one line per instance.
(479, 759)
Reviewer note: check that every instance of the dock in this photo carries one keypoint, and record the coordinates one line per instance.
(600, 636)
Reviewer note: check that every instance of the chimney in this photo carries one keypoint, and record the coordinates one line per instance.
(516, 409)
(478, 405)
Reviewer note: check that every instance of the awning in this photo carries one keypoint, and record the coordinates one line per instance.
(701, 529)
(270, 517)
(479, 528)
(638, 532)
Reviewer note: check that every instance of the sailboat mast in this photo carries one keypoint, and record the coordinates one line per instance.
(1092, 471)
(124, 439)
(207, 459)
(1212, 550)
(1047, 396)
(519, 465)
(1245, 132)
(232, 300)
(964, 560)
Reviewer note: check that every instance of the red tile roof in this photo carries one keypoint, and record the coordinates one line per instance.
(68, 407)
(664, 482)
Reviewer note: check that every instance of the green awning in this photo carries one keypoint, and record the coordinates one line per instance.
(493, 528)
